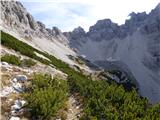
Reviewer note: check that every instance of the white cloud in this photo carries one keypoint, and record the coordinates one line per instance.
(68, 14)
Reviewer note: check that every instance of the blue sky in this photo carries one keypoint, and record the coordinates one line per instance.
(69, 14)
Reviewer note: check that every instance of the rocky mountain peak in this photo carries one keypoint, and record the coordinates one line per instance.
(79, 30)
(156, 12)
(106, 22)
(136, 18)
(56, 31)
(103, 24)
(158, 7)
(103, 29)
(77, 36)
(106, 29)
(135, 22)
(152, 23)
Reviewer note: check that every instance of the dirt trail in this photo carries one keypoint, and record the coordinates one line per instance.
(74, 109)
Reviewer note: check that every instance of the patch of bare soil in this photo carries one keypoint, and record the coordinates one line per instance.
(74, 108)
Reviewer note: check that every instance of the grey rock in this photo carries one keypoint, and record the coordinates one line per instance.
(77, 36)
(31, 21)
(103, 29)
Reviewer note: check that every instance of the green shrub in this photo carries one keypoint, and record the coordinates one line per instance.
(28, 62)
(47, 97)
(111, 101)
(12, 59)
(11, 42)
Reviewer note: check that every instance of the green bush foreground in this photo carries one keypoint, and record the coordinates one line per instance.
(12, 59)
(46, 97)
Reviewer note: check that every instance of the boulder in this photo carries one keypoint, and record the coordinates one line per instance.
(14, 118)
(21, 78)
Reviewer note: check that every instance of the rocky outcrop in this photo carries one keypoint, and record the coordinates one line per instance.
(77, 36)
(152, 24)
(102, 27)
(14, 15)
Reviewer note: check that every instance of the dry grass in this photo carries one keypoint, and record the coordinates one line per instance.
(62, 114)
(5, 106)
(5, 79)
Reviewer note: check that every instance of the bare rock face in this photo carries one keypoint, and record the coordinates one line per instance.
(16, 16)
(152, 24)
(102, 27)
(133, 46)
(56, 31)
(77, 36)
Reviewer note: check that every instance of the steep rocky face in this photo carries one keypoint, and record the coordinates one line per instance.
(77, 36)
(15, 16)
(135, 46)
(102, 27)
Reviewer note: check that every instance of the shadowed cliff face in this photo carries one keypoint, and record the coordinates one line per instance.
(135, 44)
